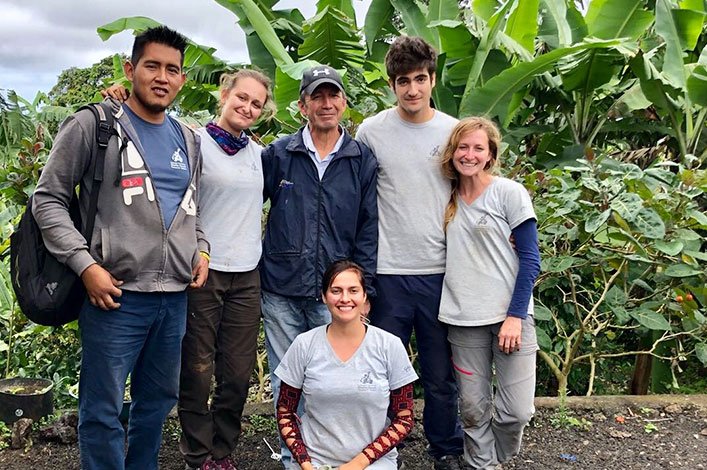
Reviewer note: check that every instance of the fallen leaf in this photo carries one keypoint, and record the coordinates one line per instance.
(674, 409)
(619, 434)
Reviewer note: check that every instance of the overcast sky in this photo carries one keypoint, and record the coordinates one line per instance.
(40, 38)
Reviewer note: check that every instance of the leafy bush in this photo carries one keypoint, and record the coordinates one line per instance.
(619, 245)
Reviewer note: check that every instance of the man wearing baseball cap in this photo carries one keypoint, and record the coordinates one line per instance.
(322, 190)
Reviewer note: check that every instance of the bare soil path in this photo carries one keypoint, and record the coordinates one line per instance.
(612, 433)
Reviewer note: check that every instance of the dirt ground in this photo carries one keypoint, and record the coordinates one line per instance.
(654, 432)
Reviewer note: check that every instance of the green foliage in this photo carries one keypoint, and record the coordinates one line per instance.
(5, 435)
(603, 119)
(649, 428)
(563, 418)
(261, 424)
(77, 86)
(618, 242)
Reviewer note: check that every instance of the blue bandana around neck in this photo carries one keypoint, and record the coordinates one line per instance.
(227, 141)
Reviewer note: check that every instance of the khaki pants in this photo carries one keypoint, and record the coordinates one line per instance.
(493, 423)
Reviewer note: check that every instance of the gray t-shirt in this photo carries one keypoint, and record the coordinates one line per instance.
(345, 403)
(412, 193)
(481, 263)
(231, 204)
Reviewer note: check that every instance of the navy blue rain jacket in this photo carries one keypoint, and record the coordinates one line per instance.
(313, 223)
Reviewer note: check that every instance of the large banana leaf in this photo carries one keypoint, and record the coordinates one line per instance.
(496, 96)
(523, 25)
(609, 19)
(285, 23)
(555, 29)
(660, 94)
(697, 82)
(484, 9)
(689, 27)
(680, 30)
(440, 10)
(344, 6)
(459, 47)
(590, 71)
(665, 26)
(415, 22)
(135, 23)
(697, 86)
(261, 24)
(494, 26)
(653, 87)
(377, 18)
(331, 38)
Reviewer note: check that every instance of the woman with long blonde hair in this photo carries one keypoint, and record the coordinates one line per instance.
(487, 294)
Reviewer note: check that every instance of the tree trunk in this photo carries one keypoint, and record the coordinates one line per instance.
(641, 374)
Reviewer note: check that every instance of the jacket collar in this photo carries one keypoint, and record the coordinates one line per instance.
(349, 148)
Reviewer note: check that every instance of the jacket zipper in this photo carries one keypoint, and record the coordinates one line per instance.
(317, 287)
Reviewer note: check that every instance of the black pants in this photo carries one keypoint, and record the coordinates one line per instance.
(221, 339)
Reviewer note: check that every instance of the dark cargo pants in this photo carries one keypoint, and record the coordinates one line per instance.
(221, 340)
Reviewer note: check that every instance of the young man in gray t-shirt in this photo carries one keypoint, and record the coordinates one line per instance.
(412, 196)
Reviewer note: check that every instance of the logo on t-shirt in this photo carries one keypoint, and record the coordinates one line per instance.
(434, 153)
(178, 161)
(482, 220)
(366, 383)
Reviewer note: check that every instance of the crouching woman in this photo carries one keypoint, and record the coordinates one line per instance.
(356, 382)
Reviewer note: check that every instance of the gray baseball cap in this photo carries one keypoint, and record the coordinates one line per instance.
(320, 75)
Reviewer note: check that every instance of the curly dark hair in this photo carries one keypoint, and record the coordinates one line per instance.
(407, 54)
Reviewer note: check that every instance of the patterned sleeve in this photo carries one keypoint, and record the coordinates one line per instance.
(288, 422)
(401, 412)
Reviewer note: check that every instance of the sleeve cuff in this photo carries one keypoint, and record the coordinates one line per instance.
(522, 316)
(203, 246)
(80, 261)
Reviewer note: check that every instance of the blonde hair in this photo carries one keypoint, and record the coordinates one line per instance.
(462, 128)
(229, 80)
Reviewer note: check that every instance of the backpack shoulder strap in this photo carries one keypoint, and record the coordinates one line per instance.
(104, 130)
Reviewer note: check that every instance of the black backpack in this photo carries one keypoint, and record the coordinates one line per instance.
(49, 292)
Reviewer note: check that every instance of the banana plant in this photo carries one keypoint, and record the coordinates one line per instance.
(202, 67)
(676, 88)
(330, 37)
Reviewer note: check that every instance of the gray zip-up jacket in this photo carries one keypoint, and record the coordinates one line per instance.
(129, 237)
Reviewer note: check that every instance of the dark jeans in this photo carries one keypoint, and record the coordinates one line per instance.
(143, 338)
(407, 302)
(221, 340)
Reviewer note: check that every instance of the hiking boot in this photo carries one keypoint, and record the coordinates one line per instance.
(225, 463)
(205, 465)
(448, 462)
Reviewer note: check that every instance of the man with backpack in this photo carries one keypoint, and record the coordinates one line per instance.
(146, 248)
